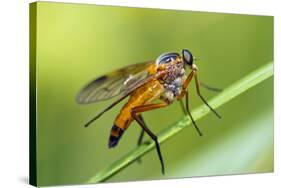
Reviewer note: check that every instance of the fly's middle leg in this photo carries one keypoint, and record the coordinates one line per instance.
(189, 113)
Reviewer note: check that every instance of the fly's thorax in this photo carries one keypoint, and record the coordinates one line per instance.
(173, 82)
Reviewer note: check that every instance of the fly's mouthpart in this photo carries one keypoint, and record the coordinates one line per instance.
(194, 67)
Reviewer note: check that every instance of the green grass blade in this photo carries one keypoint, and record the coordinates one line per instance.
(229, 93)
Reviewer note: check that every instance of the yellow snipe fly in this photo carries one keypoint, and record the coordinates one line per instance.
(166, 79)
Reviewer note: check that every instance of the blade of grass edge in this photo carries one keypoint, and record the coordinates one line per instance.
(226, 95)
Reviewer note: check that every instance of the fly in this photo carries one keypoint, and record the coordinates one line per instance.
(165, 79)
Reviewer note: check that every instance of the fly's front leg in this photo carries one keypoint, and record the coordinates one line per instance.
(210, 88)
(202, 98)
(144, 108)
(185, 85)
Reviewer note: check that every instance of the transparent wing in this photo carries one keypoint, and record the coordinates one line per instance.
(115, 83)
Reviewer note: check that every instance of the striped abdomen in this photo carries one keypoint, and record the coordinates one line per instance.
(143, 95)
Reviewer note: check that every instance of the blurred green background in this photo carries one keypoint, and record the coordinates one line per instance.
(76, 43)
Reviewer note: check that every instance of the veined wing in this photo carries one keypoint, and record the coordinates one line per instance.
(115, 83)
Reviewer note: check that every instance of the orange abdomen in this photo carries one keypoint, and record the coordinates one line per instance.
(143, 95)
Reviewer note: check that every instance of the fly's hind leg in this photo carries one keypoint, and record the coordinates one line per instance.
(141, 135)
(105, 110)
(142, 131)
(139, 109)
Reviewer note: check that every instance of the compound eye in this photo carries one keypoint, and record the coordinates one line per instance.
(187, 57)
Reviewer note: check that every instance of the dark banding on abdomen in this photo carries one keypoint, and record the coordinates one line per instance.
(115, 135)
